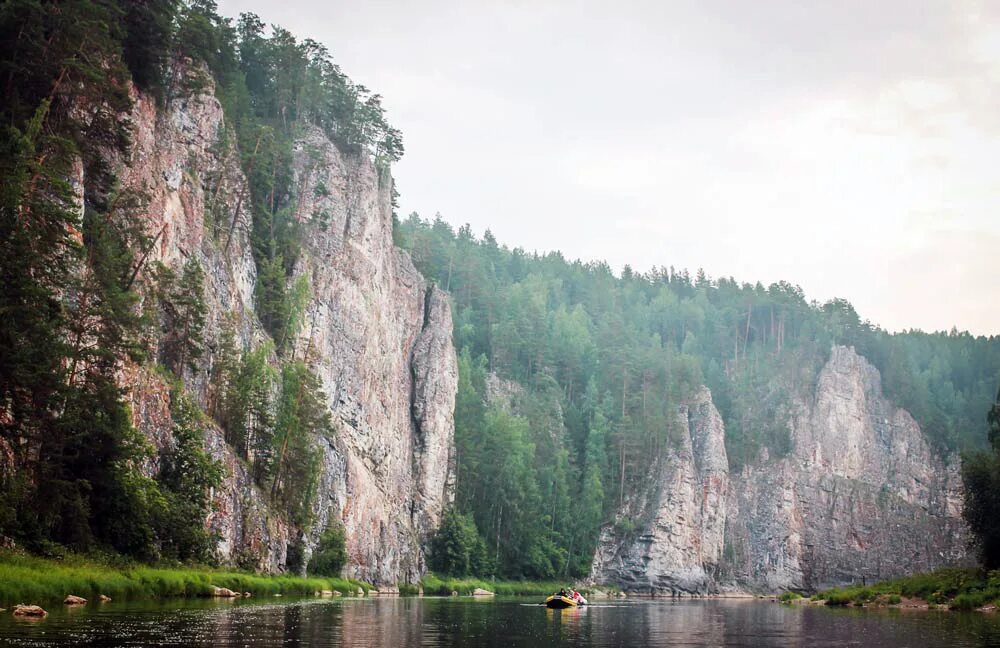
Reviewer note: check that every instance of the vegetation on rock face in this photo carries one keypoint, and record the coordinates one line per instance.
(595, 366)
(69, 256)
(331, 553)
(182, 316)
(80, 297)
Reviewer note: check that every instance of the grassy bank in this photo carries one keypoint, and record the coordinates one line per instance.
(957, 589)
(438, 586)
(29, 579)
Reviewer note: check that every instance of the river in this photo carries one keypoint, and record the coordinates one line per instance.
(465, 622)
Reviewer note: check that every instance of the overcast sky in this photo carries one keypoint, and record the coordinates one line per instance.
(851, 147)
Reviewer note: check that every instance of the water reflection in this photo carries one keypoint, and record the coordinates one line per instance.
(461, 623)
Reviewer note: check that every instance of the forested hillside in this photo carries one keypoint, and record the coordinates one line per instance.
(604, 360)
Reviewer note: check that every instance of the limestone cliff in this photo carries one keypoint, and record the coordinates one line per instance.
(860, 495)
(678, 540)
(374, 332)
(381, 340)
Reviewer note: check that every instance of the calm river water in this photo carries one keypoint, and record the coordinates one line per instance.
(411, 622)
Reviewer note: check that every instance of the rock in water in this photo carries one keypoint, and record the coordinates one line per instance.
(481, 592)
(223, 592)
(74, 600)
(104, 599)
(29, 611)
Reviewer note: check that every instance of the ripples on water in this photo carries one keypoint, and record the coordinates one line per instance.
(460, 623)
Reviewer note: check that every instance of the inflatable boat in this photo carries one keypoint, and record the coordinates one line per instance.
(559, 602)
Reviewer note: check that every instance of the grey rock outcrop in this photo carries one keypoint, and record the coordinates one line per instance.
(673, 539)
(861, 495)
(380, 340)
(375, 333)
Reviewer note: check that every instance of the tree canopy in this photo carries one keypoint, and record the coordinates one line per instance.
(599, 362)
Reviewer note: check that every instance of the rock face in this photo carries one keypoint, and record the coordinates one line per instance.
(381, 343)
(861, 495)
(374, 332)
(678, 542)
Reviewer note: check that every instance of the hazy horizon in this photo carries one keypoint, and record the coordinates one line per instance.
(843, 149)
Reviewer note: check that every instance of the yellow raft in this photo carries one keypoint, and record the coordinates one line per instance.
(559, 602)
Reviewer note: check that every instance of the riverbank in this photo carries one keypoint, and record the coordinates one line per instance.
(31, 579)
(950, 588)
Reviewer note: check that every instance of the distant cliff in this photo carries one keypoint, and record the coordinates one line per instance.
(861, 495)
(375, 333)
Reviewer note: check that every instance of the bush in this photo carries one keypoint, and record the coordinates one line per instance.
(838, 597)
(969, 601)
(331, 553)
(894, 599)
(788, 597)
(457, 548)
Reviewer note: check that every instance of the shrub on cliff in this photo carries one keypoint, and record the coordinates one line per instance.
(331, 553)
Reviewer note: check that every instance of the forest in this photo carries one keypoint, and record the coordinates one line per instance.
(570, 373)
(599, 363)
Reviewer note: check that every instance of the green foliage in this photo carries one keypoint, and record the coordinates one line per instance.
(271, 86)
(408, 589)
(959, 588)
(39, 580)
(273, 421)
(187, 473)
(148, 26)
(788, 597)
(247, 382)
(839, 597)
(457, 548)
(981, 477)
(331, 553)
(303, 416)
(601, 363)
(182, 316)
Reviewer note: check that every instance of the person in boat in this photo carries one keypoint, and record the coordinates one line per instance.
(562, 591)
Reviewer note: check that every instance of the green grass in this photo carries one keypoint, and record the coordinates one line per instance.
(959, 589)
(438, 586)
(788, 597)
(29, 579)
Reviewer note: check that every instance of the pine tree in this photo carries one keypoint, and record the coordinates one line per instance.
(183, 313)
